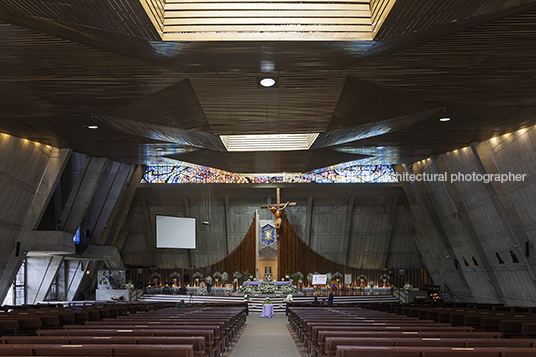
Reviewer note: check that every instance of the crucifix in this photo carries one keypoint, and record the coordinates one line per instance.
(278, 208)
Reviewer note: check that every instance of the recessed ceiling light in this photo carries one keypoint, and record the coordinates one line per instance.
(444, 119)
(92, 126)
(267, 82)
(268, 142)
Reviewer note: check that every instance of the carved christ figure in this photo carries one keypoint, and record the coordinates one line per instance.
(276, 210)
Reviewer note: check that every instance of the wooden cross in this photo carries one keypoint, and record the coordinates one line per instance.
(277, 208)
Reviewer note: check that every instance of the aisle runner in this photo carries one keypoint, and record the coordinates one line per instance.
(266, 338)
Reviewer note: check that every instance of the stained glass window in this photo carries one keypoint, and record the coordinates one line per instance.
(343, 173)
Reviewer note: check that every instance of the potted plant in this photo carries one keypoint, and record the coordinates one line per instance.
(362, 280)
(338, 277)
(174, 277)
(384, 278)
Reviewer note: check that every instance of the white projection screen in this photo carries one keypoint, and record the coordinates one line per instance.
(175, 232)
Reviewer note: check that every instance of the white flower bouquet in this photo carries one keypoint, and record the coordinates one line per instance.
(202, 292)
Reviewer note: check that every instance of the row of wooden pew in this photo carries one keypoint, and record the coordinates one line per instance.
(358, 331)
(200, 330)
(24, 320)
(510, 323)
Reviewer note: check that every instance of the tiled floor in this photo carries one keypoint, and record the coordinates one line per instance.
(267, 337)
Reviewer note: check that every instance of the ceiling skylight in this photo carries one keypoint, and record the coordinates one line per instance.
(271, 142)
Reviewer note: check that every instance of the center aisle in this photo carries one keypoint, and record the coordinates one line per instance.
(264, 337)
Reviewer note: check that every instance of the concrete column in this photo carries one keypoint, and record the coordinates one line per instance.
(56, 164)
(430, 237)
(112, 232)
(461, 209)
(110, 192)
(502, 203)
(391, 224)
(75, 271)
(227, 212)
(41, 273)
(308, 220)
(82, 193)
(348, 227)
(187, 213)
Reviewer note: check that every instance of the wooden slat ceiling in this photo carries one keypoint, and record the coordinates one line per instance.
(69, 64)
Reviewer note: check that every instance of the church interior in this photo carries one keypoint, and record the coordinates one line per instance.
(388, 145)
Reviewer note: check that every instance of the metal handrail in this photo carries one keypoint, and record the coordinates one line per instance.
(449, 293)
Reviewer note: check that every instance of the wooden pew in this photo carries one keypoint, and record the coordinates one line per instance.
(208, 335)
(404, 351)
(313, 340)
(97, 350)
(323, 335)
(198, 342)
(333, 342)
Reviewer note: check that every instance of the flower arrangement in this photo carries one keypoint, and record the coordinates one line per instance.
(254, 306)
(267, 301)
(245, 289)
(246, 298)
(408, 287)
(197, 275)
(202, 292)
(281, 307)
(329, 278)
(289, 289)
(317, 293)
(224, 276)
(371, 284)
(310, 277)
(362, 279)
(296, 277)
(337, 276)
(288, 298)
(384, 277)
(129, 286)
(266, 288)
(216, 276)
(236, 276)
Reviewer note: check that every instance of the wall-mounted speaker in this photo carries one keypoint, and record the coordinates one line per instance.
(87, 233)
(527, 249)
(17, 249)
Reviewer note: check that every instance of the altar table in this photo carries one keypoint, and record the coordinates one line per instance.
(278, 283)
(267, 310)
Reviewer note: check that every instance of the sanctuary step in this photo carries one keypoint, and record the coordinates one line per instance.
(255, 305)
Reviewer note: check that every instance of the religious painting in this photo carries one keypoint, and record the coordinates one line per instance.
(268, 234)
(111, 279)
(347, 279)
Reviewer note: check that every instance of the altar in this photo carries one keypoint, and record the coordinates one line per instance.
(278, 283)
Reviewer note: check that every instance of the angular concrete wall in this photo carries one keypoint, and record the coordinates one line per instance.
(486, 224)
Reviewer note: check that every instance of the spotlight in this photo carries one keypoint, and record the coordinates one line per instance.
(267, 82)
